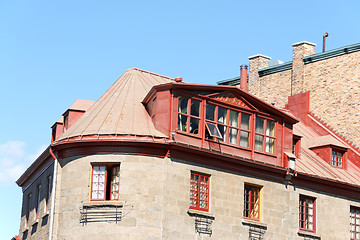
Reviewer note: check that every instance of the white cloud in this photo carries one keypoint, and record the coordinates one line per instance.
(14, 160)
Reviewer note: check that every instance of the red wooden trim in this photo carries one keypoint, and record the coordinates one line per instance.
(198, 191)
(304, 198)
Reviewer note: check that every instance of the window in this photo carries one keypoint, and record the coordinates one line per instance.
(189, 115)
(199, 191)
(28, 205)
(66, 122)
(38, 200)
(265, 135)
(307, 213)
(48, 193)
(355, 223)
(296, 146)
(337, 158)
(105, 182)
(252, 196)
(227, 122)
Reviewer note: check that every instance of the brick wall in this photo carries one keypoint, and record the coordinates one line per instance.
(334, 85)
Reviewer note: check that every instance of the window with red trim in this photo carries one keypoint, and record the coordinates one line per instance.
(105, 182)
(265, 135)
(355, 223)
(252, 195)
(337, 158)
(199, 191)
(189, 115)
(307, 213)
(233, 126)
(296, 146)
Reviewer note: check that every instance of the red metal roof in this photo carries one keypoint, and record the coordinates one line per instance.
(310, 163)
(119, 110)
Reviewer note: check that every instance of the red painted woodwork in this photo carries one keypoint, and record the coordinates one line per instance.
(71, 116)
(307, 212)
(199, 191)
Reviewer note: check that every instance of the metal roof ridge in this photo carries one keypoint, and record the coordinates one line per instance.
(152, 73)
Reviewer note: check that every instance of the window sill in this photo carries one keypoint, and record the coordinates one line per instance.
(255, 223)
(188, 134)
(103, 203)
(36, 221)
(312, 235)
(45, 214)
(197, 213)
(25, 229)
(265, 153)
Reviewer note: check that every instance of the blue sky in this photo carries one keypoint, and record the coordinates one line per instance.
(54, 52)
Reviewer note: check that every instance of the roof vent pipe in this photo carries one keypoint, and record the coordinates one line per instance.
(178, 79)
(324, 36)
(243, 77)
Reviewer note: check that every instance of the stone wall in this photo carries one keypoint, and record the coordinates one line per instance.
(37, 228)
(156, 196)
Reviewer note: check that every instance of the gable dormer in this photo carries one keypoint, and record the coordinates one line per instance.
(57, 129)
(330, 150)
(74, 112)
(222, 119)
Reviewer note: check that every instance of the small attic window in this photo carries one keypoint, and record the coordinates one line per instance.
(337, 158)
(66, 122)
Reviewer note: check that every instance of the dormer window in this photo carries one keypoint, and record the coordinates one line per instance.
(216, 121)
(337, 158)
(265, 135)
(66, 122)
(189, 115)
(330, 150)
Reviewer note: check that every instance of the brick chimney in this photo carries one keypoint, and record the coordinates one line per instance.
(300, 50)
(256, 62)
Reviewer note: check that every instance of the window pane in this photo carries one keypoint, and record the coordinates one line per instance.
(233, 133)
(210, 112)
(259, 126)
(183, 102)
(270, 145)
(244, 139)
(222, 130)
(195, 108)
(233, 121)
(182, 122)
(245, 120)
(194, 125)
(259, 142)
(270, 128)
(222, 113)
(213, 130)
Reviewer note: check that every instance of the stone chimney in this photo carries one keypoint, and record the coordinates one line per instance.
(256, 62)
(300, 50)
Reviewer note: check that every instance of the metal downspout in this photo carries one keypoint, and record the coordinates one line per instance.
(53, 195)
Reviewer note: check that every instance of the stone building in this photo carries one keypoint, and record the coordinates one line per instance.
(332, 78)
(158, 158)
